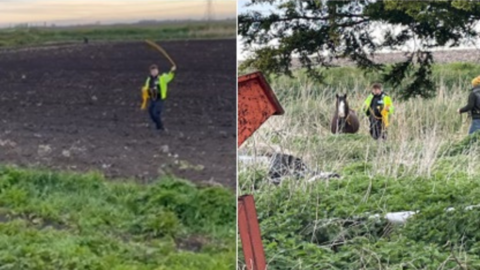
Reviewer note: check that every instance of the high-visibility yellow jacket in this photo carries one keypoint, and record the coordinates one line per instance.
(386, 108)
(163, 81)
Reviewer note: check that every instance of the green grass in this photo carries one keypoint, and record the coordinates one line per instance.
(194, 30)
(429, 163)
(72, 221)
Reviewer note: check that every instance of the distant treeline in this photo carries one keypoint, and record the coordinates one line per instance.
(100, 24)
(15, 37)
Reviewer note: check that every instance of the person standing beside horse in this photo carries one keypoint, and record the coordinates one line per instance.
(378, 107)
(473, 106)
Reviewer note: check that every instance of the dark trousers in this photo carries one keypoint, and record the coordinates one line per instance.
(155, 110)
(376, 128)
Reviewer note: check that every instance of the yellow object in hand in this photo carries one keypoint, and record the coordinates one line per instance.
(385, 113)
(145, 97)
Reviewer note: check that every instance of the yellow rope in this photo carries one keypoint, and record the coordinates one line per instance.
(384, 118)
(384, 112)
(161, 50)
(145, 97)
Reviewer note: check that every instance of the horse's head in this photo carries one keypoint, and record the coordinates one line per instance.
(342, 106)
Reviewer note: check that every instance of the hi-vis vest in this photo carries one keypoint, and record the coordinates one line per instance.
(163, 81)
(386, 100)
(385, 110)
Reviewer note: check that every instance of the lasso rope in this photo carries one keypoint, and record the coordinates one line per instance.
(161, 50)
(384, 112)
(384, 117)
(371, 112)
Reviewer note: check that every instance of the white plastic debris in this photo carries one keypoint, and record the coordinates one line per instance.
(399, 217)
(250, 160)
(323, 176)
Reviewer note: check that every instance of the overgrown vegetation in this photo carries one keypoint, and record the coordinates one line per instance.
(428, 164)
(71, 221)
(38, 36)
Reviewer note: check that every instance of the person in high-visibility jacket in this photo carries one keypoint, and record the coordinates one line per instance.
(378, 107)
(154, 92)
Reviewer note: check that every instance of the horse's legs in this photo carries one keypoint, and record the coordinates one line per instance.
(338, 128)
(342, 125)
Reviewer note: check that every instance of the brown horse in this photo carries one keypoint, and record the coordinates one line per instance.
(344, 120)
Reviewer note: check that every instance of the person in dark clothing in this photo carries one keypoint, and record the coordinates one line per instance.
(378, 106)
(473, 105)
(155, 91)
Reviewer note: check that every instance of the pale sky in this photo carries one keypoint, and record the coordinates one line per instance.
(64, 12)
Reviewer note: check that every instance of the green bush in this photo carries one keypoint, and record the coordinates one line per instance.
(72, 221)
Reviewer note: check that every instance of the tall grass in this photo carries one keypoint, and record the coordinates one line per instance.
(428, 163)
(420, 128)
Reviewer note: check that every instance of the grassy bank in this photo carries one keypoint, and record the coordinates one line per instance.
(194, 30)
(71, 221)
(428, 164)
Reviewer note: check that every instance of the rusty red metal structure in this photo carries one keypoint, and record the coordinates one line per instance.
(256, 103)
(250, 234)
